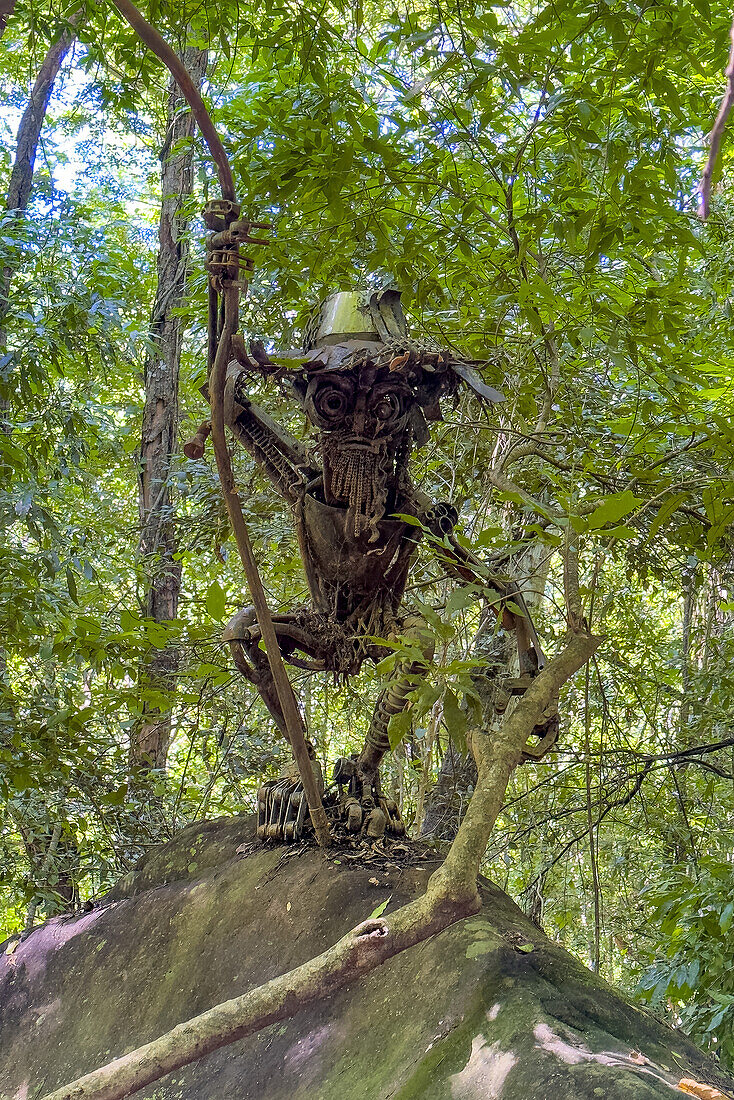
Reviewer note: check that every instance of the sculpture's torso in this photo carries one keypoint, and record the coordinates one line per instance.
(349, 572)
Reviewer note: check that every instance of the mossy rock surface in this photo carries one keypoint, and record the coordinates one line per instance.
(490, 1008)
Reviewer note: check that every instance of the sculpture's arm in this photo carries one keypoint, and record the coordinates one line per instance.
(281, 457)
(460, 563)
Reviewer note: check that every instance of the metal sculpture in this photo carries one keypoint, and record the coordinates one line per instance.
(370, 395)
(369, 392)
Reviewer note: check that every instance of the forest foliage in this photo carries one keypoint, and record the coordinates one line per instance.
(526, 174)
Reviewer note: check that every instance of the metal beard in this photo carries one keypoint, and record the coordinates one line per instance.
(357, 474)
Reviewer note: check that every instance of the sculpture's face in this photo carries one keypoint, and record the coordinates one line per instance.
(363, 416)
(362, 409)
(371, 403)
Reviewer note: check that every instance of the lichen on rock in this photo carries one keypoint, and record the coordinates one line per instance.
(488, 1008)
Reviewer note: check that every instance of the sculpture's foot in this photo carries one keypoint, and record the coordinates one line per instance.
(364, 809)
(281, 810)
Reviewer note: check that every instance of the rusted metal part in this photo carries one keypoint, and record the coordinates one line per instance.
(356, 804)
(282, 804)
(393, 699)
(196, 445)
(359, 519)
(362, 804)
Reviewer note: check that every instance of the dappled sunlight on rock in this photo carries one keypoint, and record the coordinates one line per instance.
(484, 1074)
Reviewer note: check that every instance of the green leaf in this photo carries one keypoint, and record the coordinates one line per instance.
(399, 727)
(115, 798)
(612, 509)
(459, 600)
(665, 511)
(71, 585)
(454, 718)
(380, 908)
(215, 601)
(717, 1018)
(412, 521)
(21, 779)
(130, 623)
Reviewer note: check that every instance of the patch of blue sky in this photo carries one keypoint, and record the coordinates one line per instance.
(82, 152)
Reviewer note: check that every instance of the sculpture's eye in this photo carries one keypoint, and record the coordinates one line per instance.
(387, 407)
(331, 403)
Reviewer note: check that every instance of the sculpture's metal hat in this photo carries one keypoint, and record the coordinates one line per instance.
(356, 315)
(354, 328)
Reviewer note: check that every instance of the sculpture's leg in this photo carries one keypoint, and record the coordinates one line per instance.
(377, 812)
(243, 635)
(281, 803)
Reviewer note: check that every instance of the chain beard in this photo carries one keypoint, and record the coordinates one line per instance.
(359, 476)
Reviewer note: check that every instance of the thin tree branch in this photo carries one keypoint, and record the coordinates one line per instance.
(153, 40)
(679, 755)
(639, 779)
(29, 132)
(714, 139)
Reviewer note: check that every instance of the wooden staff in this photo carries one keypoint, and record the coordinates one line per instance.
(230, 296)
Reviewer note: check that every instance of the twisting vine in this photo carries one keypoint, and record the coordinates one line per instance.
(230, 289)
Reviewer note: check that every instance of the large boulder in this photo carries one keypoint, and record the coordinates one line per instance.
(490, 1008)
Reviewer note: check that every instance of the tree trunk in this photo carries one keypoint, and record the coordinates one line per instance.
(21, 180)
(448, 799)
(29, 132)
(6, 10)
(158, 543)
(457, 776)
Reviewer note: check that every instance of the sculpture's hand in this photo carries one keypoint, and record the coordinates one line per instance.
(467, 568)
